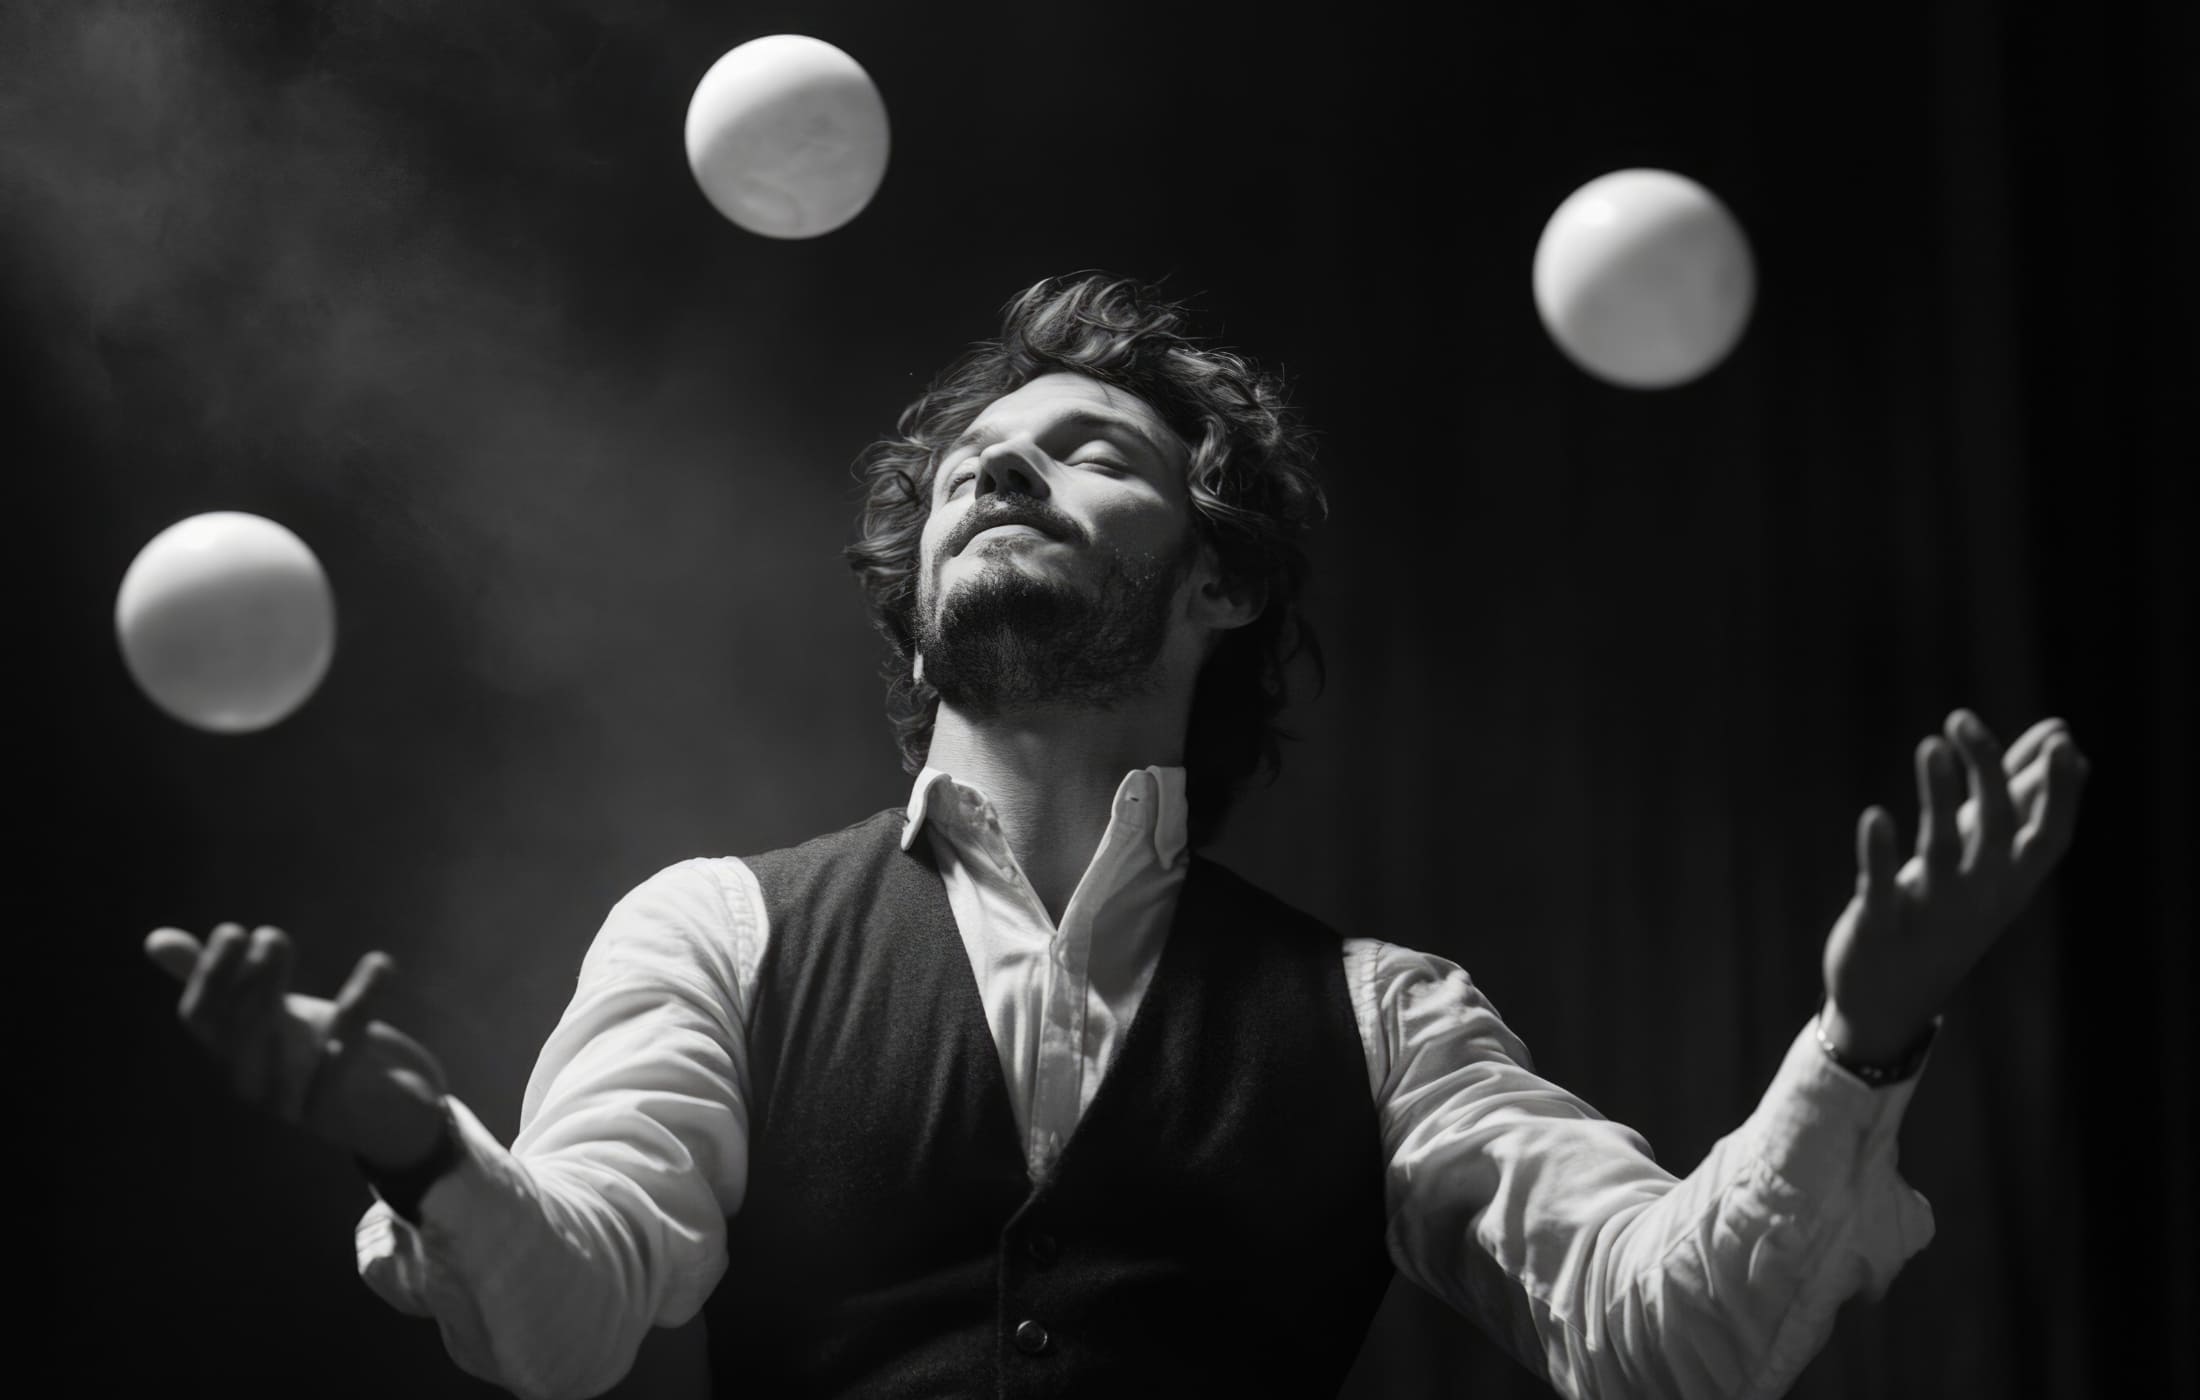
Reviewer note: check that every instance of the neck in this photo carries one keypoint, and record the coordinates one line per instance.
(1052, 774)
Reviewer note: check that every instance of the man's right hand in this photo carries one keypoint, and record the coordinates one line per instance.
(358, 1084)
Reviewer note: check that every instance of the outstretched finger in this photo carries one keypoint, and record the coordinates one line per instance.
(2026, 765)
(174, 952)
(1939, 794)
(2040, 845)
(2025, 787)
(254, 1047)
(1989, 786)
(2030, 745)
(209, 995)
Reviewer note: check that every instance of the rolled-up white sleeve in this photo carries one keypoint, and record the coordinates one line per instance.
(1552, 1227)
(546, 1264)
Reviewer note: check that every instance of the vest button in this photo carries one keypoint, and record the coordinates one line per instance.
(1043, 1247)
(1031, 1338)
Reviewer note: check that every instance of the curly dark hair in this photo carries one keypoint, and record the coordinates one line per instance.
(1251, 484)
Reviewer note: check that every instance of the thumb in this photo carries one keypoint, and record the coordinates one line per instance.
(1875, 858)
(173, 951)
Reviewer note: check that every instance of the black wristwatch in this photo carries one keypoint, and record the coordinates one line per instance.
(403, 1189)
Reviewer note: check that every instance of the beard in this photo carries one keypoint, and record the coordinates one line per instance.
(1005, 640)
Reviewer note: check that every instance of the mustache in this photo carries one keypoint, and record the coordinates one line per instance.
(1022, 510)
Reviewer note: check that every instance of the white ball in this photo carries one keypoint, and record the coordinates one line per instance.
(226, 621)
(1644, 278)
(787, 136)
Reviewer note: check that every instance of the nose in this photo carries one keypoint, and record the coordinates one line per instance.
(1011, 468)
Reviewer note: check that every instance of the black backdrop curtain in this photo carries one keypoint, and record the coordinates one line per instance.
(1611, 673)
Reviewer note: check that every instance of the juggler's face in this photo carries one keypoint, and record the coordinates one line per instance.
(1058, 550)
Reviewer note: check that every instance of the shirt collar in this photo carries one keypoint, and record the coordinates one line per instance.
(1160, 786)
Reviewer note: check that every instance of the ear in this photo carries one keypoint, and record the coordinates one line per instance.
(1224, 603)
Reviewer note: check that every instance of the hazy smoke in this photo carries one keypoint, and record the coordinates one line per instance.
(251, 250)
(420, 266)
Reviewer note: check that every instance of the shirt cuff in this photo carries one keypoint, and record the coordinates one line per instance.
(1822, 1123)
(389, 1246)
(1833, 1138)
(470, 1189)
(409, 1267)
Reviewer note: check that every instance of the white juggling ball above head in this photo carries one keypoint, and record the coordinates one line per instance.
(787, 136)
(1644, 278)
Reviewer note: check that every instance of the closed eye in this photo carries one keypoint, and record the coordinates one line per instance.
(1098, 454)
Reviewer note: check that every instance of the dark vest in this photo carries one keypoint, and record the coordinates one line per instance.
(1213, 1226)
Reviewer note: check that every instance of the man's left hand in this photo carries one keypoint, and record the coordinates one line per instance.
(1910, 936)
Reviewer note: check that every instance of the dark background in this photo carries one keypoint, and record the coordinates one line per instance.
(1612, 671)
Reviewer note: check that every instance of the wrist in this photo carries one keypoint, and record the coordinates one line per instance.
(420, 1138)
(402, 1184)
(1863, 1041)
(396, 1121)
(1876, 1056)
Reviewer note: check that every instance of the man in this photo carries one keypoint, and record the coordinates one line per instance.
(1010, 1090)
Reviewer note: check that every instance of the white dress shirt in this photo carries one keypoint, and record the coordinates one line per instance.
(1509, 1198)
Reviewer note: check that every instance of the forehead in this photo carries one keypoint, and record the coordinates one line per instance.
(1060, 399)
